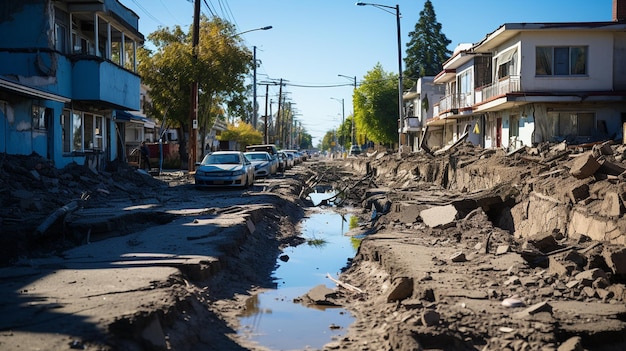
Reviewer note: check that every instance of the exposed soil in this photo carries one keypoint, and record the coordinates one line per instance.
(522, 252)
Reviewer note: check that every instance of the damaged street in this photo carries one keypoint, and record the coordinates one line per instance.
(471, 249)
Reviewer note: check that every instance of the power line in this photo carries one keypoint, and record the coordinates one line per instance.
(148, 13)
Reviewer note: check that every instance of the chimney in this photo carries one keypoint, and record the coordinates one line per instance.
(619, 10)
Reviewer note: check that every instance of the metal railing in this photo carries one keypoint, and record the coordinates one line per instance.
(503, 86)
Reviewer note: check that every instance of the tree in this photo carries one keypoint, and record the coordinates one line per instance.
(220, 70)
(376, 106)
(243, 133)
(427, 48)
(328, 141)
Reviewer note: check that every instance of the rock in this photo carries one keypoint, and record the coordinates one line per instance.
(439, 216)
(502, 249)
(576, 257)
(589, 276)
(615, 258)
(402, 288)
(612, 205)
(458, 257)
(544, 242)
(514, 280)
(611, 168)
(513, 302)
(539, 307)
(560, 268)
(578, 192)
(584, 166)
(430, 317)
(322, 295)
(574, 343)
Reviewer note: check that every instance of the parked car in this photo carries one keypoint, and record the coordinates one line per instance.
(282, 161)
(297, 156)
(269, 148)
(289, 161)
(355, 150)
(223, 169)
(264, 165)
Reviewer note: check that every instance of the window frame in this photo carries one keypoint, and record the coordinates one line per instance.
(547, 64)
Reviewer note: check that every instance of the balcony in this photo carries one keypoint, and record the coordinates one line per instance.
(412, 124)
(455, 102)
(502, 87)
(97, 80)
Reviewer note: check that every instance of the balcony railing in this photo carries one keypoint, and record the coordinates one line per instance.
(503, 86)
(411, 124)
(455, 101)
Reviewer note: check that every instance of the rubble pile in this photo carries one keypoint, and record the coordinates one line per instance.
(482, 249)
(31, 189)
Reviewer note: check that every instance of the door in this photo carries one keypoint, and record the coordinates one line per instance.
(499, 132)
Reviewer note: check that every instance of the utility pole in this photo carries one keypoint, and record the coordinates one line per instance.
(279, 128)
(254, 112)
(193, 113)
(267, 91)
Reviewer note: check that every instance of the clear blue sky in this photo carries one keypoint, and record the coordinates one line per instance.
(314, 41)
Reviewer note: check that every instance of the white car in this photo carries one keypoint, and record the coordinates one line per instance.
(264, 165)
(224, 169)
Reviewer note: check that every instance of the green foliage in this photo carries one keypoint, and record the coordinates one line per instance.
(306, 141)
(243, 133)
(427, 48)
(219, 65)
(376, 106)
(327, 141)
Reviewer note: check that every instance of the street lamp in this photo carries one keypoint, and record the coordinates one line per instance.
(353, 112)
(400, 117)
(254, 111)
(343, 117)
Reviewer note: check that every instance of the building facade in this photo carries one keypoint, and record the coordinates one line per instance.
(527, 83)
(67, 69)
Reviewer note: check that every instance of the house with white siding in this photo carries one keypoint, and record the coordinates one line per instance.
(547, 82)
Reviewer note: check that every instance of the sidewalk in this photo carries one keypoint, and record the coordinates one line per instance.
(125, 284)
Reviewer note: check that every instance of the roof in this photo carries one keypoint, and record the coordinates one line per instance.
(509, 30)
(19, 88)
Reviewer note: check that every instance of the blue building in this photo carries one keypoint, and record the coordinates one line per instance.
(68, 69)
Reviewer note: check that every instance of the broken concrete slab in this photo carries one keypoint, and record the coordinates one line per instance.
(439, 216)
(615, 257)
(584, 166)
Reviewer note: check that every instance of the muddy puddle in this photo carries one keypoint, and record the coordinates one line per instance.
(275, 319)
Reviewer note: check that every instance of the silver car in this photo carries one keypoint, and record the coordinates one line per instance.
(223, 169)
(264, 164)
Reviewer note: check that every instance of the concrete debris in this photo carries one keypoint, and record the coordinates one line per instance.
(440, 216)
(545, 223)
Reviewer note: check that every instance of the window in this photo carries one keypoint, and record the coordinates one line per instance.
(82, 131)
(60, 32)
(560, 60)
(574, 124)
(66, 124)
(39, 118)
(77, 131)
(465, 82)
(506, 64)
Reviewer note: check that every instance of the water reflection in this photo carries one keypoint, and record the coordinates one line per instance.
(273, 319)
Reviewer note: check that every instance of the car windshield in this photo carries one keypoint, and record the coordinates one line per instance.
(221, 159)
(255, 156)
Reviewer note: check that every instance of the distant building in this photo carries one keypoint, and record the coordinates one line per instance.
(527, 83)
(67, 72)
